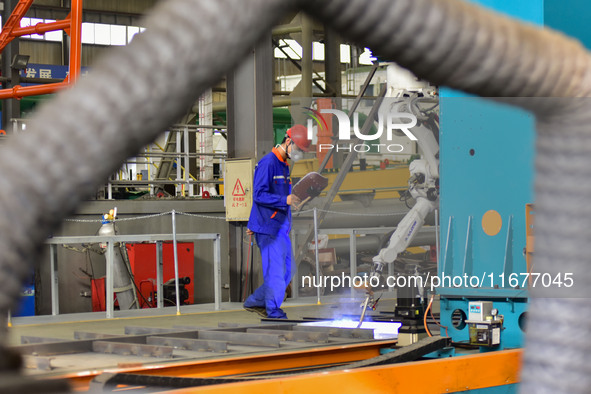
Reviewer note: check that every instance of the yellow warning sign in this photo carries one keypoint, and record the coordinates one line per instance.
(238, 179)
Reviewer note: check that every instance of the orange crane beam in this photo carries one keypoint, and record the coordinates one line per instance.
(13, 22)
(72, 25)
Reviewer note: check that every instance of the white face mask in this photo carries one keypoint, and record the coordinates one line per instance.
(296, 154)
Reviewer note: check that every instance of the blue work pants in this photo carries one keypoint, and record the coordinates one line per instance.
(277, 261)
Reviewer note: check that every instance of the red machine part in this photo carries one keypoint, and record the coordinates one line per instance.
(142, 258)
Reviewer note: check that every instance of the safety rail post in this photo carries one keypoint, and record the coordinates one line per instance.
(176, 263)
(353, 259)
(217, 273)
(178, 157)
(55, 302)
(159, 276)
(110, 302)
(316, 255)
(295, 287)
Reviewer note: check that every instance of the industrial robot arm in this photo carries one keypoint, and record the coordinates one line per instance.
(424, 188)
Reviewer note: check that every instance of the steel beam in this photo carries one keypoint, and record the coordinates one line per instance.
(190, 344)
(141, 330)
(27, 339)
(296, 336)
(351, 333)
(242, 338)
(45, 349)
(93, 335)
(135, 349)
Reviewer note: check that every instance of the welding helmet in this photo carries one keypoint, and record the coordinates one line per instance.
(299, 135)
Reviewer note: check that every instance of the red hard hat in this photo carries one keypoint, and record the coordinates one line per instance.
(299, 135)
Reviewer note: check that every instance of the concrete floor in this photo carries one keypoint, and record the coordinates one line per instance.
(202, 315)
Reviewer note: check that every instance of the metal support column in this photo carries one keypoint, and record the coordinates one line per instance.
(332, 62)
(250, 129)
(307, 63)
(10, 107)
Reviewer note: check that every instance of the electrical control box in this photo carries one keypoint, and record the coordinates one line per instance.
(238, 180)
(485, 333)
(479, 310)
(484, 324)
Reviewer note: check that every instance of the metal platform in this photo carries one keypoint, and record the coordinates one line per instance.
(228, 349)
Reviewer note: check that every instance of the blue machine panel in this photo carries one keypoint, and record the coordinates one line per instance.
(570, 17)
(486, 165)
(487, 150)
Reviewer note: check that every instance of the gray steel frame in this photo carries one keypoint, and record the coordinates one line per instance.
(111, 240)
(352, 232)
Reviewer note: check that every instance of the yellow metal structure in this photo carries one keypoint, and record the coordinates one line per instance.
(384, 182)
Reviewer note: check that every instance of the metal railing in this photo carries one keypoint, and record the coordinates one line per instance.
(110, 250)
(175, 153)
(152, 157)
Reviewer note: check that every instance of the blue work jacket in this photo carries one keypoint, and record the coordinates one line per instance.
(271, 187)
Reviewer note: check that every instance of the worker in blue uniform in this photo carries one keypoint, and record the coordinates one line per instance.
(270, 221)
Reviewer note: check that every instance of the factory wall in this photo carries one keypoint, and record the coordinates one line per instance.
(74, 267)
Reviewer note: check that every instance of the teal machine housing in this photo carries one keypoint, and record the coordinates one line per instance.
(487, 163)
